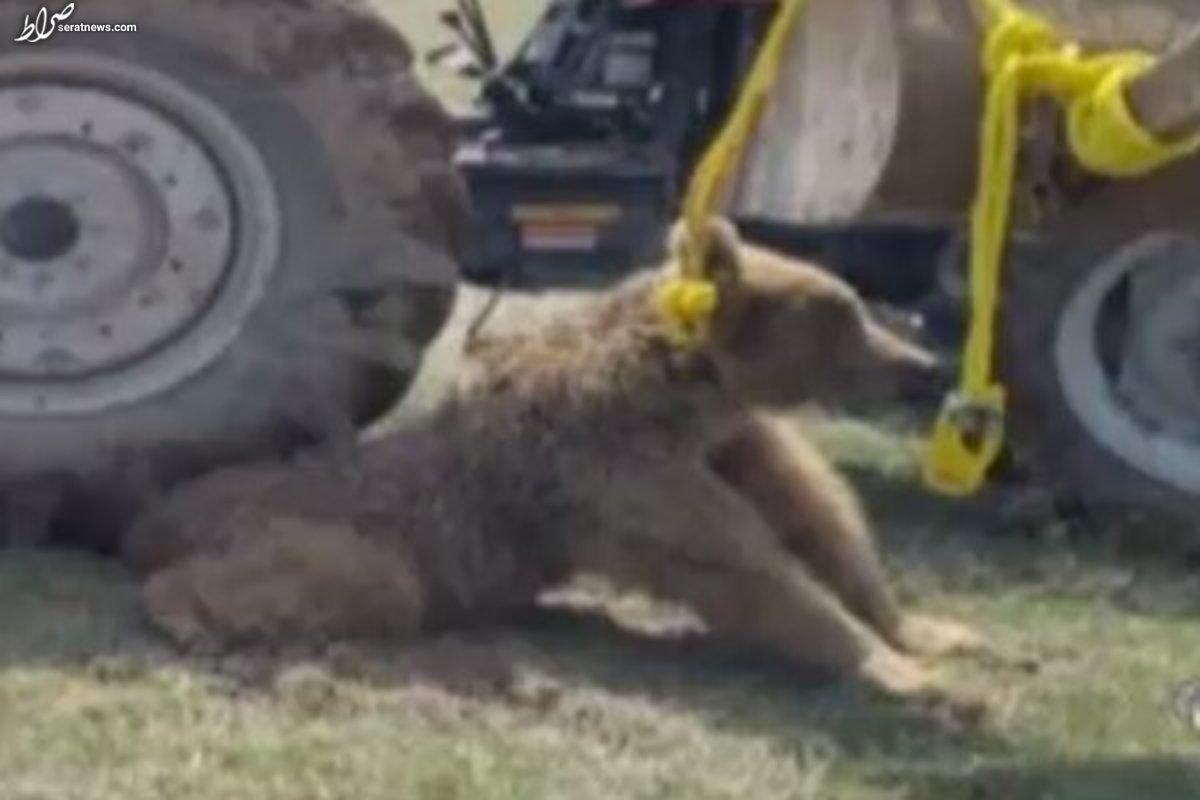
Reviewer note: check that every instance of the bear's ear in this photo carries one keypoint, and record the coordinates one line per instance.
(723, 264)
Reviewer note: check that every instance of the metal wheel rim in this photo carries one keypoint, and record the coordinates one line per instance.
(202, 240)
(1148, 416)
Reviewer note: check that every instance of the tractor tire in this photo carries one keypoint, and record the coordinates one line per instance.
(1103, 372)
(224, 236)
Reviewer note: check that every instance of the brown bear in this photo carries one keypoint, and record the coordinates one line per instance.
(589, 444)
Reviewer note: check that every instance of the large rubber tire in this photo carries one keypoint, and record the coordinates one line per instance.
(1052, 441)
(371, 211)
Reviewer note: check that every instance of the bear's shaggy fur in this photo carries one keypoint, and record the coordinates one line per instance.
(589, 445)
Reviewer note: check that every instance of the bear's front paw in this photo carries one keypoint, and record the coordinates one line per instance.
(920, 635)
(900, 677)
(897, 675)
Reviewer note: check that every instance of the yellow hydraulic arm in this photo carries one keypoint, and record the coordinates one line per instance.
(1025, 56)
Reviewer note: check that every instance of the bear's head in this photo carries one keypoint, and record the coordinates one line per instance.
(786, 332)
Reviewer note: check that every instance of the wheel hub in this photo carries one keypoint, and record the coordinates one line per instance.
(39, 229)
(138, 226)
(1160, 378)
(1128, 354)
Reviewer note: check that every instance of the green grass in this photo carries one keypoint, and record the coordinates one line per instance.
(92, 707)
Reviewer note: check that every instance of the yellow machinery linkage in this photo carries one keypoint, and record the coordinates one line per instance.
(1025, 56)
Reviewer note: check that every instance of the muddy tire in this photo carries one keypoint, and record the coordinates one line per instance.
(229, 233)
(1104, 372)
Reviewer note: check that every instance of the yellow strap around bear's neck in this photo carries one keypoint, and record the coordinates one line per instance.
(686, 301)
(1025, 56)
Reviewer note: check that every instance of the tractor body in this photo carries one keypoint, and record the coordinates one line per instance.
(589, 132)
